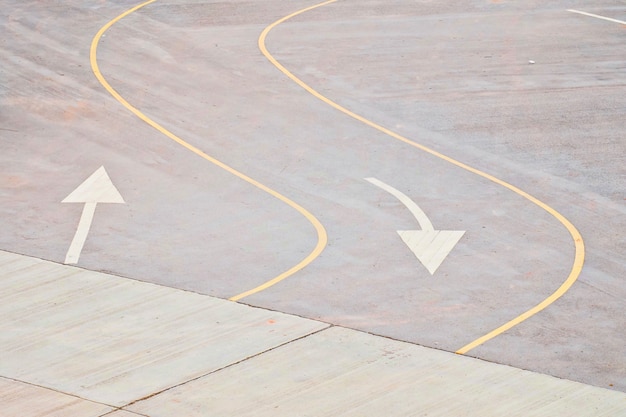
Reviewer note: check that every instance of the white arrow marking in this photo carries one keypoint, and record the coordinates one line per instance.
(98, 188)
(430, 246)
(597, 16)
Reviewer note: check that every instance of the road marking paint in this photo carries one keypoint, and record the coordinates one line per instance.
(98, 188)
(415, 210)
(597, 16)
(579, 247)
(84, 224)
(430, 246)
(322, 237)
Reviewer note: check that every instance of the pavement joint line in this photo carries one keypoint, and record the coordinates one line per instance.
(69, 394)
(78, 269)
(117, 410)
(230, 365)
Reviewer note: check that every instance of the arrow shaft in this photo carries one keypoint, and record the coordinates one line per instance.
(417, 212)
(80, 236)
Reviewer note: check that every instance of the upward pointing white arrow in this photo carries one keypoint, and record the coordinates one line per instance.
(430, 246)
(98, 188)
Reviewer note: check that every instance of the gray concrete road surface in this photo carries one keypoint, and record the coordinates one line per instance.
(529, 94)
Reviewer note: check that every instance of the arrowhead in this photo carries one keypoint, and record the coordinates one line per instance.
(98, 188)
(431, 246)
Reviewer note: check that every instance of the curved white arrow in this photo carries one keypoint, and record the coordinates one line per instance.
(98, 188)
(430, 246)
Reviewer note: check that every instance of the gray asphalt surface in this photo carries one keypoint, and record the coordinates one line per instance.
(454, 76)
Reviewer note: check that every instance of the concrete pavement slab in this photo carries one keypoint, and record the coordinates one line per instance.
(25, 400)
(341, 372)
(114, 340)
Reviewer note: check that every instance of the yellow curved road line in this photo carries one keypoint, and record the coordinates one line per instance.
(322, 238)
(579, 256)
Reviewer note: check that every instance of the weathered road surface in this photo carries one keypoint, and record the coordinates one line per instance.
(529, 95)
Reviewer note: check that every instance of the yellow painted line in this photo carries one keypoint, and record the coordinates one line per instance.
(579, 246)
(322, 238)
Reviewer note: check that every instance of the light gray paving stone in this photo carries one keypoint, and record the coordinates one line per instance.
(348, 373)
(18, 399)
(114, 340)
(10, 262)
